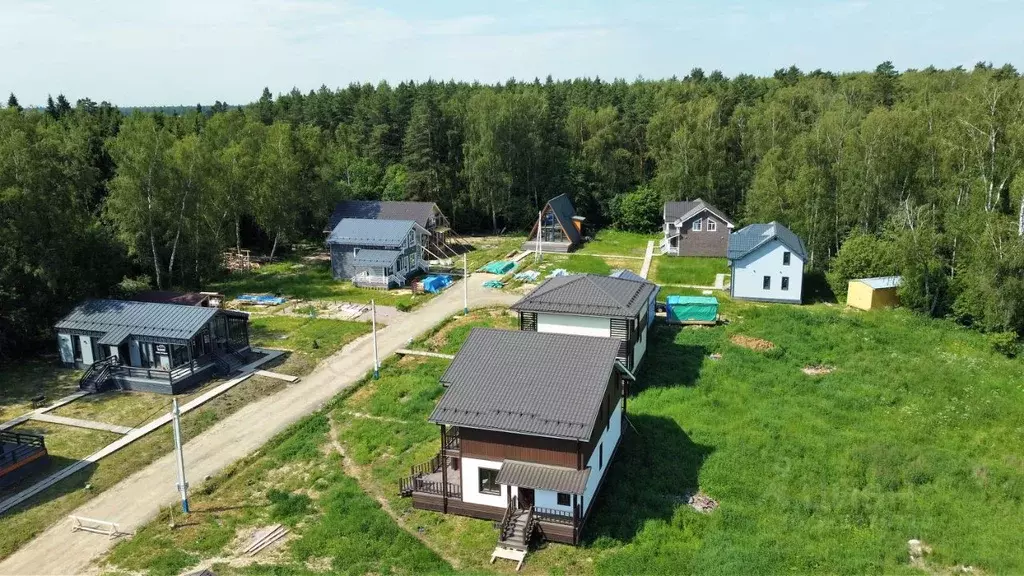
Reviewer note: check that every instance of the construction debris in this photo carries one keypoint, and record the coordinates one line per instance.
(818, 369)
(558, 272)
(527, 275)
(262, 539)
(702, 503)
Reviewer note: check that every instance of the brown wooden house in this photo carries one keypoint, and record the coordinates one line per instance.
(529, 424)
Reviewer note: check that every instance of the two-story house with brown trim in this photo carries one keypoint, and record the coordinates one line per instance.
(529, 423)
(695, 228)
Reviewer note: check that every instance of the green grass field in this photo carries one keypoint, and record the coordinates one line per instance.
(308, 279)
(915, 434)
(687, 270)
(619, 243)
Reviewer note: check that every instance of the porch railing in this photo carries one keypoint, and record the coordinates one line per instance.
(554, 516)
(451, 439)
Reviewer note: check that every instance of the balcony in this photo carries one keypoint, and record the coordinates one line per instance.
(430, 478)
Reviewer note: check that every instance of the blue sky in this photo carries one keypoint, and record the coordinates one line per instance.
(147, 52)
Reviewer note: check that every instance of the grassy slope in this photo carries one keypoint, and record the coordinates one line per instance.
(65, 443)
(687, 270)
(617, 242)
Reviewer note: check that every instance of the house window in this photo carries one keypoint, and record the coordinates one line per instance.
(489, 481)
(696, 225)
(563, 499)
(767, 283)
(712, 225)
(785, 282)
(600, 456)
(785, 258)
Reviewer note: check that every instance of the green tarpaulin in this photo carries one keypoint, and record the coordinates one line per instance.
(499, 266)
(691, 308)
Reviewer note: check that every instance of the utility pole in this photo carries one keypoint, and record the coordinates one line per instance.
(373, 320)
(465, 285)
(540, 247)
(182, 484)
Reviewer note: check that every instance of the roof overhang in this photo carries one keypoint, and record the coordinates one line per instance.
(543, 477)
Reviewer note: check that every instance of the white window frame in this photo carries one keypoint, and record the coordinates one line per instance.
(695, 226)
(712, 225)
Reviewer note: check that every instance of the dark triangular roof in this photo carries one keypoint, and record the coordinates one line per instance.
(588, 295)
(690, 208)
(564, 212)
(418, 212)
(526, 382)
(752, 237)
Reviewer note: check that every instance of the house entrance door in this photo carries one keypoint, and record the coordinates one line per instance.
(525, 497)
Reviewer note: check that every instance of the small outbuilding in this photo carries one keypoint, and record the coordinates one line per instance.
(701, 310)
(874, 293)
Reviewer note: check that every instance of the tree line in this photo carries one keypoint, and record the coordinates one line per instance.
(879, 172)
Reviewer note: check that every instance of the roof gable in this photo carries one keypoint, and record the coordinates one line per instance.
(525, 382)
(685, 210)
(589, 295)
(365, 232)
(418, 212)
(118, 319)
(752, 237)
(564, 213)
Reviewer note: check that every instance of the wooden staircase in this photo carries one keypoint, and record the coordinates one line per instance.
(515, 531)
(97, 377)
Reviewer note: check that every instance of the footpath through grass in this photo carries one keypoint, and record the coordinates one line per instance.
(66, 444)
(687, 270)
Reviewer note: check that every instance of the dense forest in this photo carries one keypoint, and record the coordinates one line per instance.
(880, 172)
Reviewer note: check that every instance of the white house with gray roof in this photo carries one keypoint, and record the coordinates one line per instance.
(767, 263)
(377, 253)
(530, 423)
(593, 305)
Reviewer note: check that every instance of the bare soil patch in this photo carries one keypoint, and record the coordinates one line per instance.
(818, 369)
(752, 343)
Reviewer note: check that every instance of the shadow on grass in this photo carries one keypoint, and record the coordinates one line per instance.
(73, 483)
(654, 471)
(816, 289)
(668, 362)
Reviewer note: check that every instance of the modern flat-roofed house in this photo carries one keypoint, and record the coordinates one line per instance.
(426, 214)
(377, 253)
(561, 230)
(151, 347)
(767, 263)
(592, 305)
(529, 424)
(695, 228)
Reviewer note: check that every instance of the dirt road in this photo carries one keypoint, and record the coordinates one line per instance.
(139, 498)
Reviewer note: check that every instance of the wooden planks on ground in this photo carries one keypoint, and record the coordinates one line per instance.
(285, 377)
(407, 352)
(79, 423)
(28, 415)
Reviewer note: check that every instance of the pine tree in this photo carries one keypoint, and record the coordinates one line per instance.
(12, 102)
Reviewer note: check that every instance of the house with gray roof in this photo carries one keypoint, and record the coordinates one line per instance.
(695, 228)
(593, 305)
(152, 347)
(529, 424)
(426, 214)
(767, 263)
(377, 253)
(557, 229)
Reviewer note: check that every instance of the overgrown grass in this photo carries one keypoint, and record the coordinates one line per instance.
(315, 338)
(617, 242)
(687, 270)
(487, 248)
(20, 381)
(309, 279)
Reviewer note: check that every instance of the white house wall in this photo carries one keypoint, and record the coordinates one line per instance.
(471, 483)
(569, 324)
(609, 439)
(549, 499)
(86, 343)
(749, 272)
(67, 351)
(641, 346)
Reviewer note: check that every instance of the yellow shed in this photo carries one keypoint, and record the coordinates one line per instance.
(873, 293)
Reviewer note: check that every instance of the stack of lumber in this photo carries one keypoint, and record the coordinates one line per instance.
(264, 538)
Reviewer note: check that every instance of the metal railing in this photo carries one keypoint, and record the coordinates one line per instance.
(25, 446)
(451, 439)
(554, 516)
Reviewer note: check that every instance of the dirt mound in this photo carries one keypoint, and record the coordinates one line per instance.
(703, 503)
(818, 369)
(751, 342)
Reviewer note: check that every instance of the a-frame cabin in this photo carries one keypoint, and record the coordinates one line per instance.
(561, 230)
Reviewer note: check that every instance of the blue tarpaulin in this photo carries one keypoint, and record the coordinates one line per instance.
(436, 283)
(265, 299)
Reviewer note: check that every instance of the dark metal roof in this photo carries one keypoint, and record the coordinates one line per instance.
(690, 208)
(419, 212)
(369, 257)
(589, 295)
(543, 477)
(750, 238)
(527, 382)
(168, 297)
(115, 320)
(564, 212)
(364, 232)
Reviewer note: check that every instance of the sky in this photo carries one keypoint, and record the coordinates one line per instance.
(157, 52)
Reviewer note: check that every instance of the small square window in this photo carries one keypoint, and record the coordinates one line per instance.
(785, 282)
(785, 258)
(489, 481)
(767, 283)
(696, 225)
(563, 499)
(712, 225)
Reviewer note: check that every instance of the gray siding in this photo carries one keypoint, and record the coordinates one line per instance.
(699, 243)
(343, 268)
